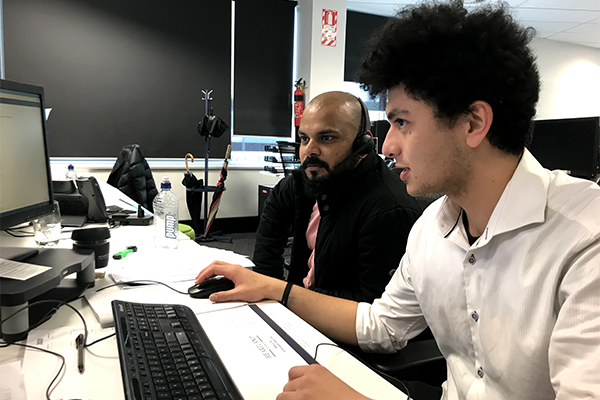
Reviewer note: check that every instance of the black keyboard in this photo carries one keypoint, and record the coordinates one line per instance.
(165, 354)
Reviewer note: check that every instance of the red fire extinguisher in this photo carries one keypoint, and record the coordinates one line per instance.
(298, 102)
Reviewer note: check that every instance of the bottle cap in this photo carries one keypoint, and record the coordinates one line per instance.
(165, 184)
(70, 167)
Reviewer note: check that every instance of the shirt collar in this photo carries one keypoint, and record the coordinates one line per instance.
(523, 202)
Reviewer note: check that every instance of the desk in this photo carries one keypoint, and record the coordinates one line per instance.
(102, 377)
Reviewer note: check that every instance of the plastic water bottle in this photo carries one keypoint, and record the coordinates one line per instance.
(166, 216)
(71, 174)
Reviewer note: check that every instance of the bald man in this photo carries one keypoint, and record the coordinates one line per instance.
(349, 214)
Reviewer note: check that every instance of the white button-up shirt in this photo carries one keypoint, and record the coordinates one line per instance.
(517, 314)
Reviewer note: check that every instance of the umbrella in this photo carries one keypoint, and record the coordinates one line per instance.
(193, 198)
(219, 189)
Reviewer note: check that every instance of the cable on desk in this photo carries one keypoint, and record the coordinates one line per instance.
(101, 339)
(23, 234)
(60, 303)
(389, 377)
(62, 365)
(141, 282)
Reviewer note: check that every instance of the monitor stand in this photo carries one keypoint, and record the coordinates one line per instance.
(49, 285)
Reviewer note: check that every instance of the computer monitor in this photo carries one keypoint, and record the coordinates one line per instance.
(25, 177)
(568, 144)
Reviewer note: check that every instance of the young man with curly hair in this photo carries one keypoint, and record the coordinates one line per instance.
(505, 267)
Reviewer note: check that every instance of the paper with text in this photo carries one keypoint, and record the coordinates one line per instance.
(255, 356)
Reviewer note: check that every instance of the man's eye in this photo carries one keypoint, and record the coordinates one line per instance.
(401, 122)
(303, 139)
(326, 138)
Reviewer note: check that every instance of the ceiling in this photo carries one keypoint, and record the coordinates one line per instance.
(570, 21)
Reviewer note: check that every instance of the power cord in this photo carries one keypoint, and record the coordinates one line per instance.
(18, 232)
(388, 377)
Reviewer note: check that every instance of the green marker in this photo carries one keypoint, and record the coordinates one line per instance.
(123, 254)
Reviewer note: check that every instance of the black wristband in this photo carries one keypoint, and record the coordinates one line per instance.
(286, 294)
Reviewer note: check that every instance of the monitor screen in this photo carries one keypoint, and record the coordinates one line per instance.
(568, 144)
(25, 178)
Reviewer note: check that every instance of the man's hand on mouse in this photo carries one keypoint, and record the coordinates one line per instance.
(316, 382)
(249, 286)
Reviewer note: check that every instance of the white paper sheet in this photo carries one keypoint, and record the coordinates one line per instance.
(100, 361)
(12, 386)
(166, 266)
(255, 356)
(18, 270)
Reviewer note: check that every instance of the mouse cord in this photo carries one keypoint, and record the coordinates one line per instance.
(141, 282)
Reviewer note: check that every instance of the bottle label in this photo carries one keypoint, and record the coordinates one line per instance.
(171, 226)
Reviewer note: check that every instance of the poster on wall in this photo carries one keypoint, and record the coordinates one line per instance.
(329, 28)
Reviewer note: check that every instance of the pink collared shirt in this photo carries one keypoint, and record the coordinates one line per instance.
(311, 239)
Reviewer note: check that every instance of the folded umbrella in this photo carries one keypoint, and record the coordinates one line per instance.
(193, 198)
(219, 189)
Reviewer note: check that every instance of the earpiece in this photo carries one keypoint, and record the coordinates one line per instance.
(363, 144)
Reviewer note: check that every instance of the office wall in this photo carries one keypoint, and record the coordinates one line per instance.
(321, 66)
(240, 198)
(570, 77)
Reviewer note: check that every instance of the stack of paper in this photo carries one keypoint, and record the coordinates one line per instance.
(182, 264)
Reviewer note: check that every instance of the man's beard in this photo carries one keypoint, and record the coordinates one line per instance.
(316, 185)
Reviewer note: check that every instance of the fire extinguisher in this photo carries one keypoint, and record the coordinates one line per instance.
(298, 102)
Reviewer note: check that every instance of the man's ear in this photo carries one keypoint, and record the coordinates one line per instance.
(480, 120)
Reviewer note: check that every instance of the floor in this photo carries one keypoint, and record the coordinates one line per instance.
(242, 243)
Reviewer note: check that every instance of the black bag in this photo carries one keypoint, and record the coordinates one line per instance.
(212, 125)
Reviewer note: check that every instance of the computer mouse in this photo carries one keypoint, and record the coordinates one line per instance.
(210, 286)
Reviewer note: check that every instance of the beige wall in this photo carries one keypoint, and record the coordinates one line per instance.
(570, 80)
(239, 200)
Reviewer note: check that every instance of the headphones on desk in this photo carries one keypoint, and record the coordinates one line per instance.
(363, 144)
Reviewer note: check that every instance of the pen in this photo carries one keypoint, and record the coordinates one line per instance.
(79, 344)
(123, 254)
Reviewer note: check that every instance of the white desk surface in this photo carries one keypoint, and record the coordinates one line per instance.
(102, 377)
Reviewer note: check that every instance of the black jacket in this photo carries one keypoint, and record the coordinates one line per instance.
(365, 221)
(131, 174)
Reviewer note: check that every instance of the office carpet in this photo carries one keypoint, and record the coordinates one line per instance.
(242, 243)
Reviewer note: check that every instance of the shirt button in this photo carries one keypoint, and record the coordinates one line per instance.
(325, 207)
(480, 372)
(472, 259)
(323, 197)
(475, 316)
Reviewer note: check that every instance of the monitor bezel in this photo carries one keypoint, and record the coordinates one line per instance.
(25, 214)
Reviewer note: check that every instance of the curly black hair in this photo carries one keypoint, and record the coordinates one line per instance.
(449, 58)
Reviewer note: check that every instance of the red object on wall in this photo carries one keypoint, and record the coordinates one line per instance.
(329, 28)
(298, 104)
